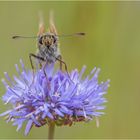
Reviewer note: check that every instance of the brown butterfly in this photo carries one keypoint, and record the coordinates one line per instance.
(48, 45)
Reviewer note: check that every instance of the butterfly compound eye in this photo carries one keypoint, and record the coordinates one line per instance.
(54, 38)
(40, 40)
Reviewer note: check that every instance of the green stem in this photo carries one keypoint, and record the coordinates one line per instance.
(51, 131)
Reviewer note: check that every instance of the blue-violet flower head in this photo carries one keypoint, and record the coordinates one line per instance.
(53, 96)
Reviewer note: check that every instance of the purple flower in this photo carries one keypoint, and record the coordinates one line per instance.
(38, 99)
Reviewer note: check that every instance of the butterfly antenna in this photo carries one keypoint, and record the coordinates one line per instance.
(69, 35)
(20, 37)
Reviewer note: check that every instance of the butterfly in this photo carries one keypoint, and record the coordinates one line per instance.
(48, 45)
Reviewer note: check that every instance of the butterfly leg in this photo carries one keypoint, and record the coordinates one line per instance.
(59, 58)
(46, 63)
(31, 55)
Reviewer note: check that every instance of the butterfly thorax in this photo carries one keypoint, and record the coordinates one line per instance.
(48, 47)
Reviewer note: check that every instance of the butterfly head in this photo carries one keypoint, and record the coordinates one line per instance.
(47, 39)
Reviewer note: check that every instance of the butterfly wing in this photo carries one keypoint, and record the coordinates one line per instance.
(52, 28)
(41, 25)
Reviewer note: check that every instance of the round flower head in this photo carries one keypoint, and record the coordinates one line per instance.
(51, 95)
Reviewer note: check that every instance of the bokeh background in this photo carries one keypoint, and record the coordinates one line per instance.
(112, 42)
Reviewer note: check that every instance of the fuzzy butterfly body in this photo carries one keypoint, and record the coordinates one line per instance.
(48, 47)
(47, 43)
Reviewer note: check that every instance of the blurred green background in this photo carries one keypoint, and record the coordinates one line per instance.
(112, 42)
